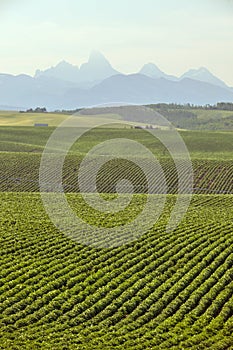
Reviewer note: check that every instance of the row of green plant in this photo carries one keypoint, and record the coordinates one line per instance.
(165, 290)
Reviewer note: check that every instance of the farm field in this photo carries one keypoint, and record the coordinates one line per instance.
(163, 291)
(20, 172)
(201, 144)
(11, 119)
(21, 149)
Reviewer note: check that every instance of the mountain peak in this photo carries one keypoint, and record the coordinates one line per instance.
(96, 56)
(200, 70)
(63, 64)
(97, 68)
(63, 71)
(203, 69)
(203, 74)
(151, 70)
(97, 59)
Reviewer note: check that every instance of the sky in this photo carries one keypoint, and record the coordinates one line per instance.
(176, 35)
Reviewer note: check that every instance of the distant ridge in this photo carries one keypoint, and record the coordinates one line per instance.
(67, 86)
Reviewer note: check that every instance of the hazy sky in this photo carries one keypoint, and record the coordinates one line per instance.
(174, 34)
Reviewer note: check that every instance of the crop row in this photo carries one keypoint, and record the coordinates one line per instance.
(20, 173)
(164, 289)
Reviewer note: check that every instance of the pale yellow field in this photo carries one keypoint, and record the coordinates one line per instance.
(11, 118)
(29, 119)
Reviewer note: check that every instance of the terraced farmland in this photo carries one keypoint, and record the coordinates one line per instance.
(163, 291)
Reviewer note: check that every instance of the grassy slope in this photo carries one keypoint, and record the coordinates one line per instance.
(199, 119)
(212, 114)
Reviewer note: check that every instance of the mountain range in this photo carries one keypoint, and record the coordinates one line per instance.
(66, 86)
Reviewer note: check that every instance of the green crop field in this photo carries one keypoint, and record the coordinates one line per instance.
(165, 290)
